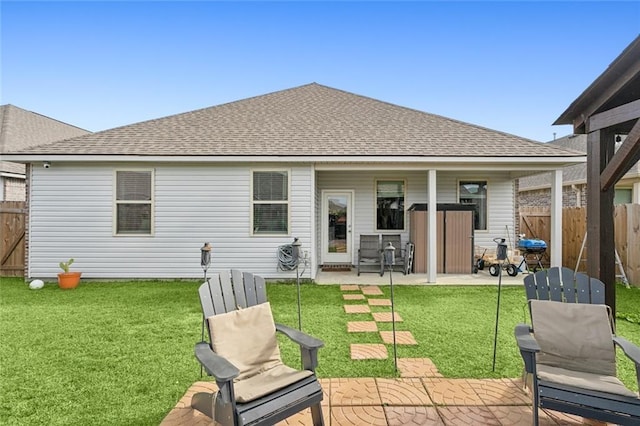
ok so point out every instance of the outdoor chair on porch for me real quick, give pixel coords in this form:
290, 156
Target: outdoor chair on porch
255, 387
369, 254
569, 349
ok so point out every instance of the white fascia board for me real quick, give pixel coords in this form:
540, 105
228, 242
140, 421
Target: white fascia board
324, 162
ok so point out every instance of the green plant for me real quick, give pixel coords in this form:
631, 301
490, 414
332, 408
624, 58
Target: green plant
65, 265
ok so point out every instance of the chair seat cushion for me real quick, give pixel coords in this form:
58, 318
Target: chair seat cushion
247, 339
268, 381
580, 379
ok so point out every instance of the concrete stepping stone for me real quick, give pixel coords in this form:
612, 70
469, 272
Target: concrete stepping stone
386, 316
417, 367
349, 287
361, 326
379, 302
403, 392
402, 338
368, 351
371, 290
353, 296
357, 309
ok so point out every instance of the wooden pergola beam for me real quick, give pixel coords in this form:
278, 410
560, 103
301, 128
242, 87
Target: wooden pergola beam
622, 160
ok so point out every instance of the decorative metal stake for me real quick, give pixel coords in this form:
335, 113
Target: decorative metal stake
501, 254
295, 254
205, 259
390, 260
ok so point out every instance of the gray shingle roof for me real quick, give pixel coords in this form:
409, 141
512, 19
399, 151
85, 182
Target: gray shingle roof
570, 174
310, 120
21, 129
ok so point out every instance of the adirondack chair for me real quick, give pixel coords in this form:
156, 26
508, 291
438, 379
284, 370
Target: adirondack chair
563, 285
369, 254
402, 257
569, 349
255, 387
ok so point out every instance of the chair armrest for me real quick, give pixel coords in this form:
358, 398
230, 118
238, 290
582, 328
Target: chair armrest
302, 339
629, 349
526, 342
528, 347
214, 364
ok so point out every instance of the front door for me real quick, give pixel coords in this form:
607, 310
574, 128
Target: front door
336, 226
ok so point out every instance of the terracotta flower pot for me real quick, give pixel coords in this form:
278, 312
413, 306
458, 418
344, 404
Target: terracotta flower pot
68, 280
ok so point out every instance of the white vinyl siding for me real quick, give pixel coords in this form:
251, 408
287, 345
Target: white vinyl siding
71, 216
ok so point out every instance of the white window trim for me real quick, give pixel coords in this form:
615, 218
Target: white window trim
287, 202
375, 205
482, 231
115, 203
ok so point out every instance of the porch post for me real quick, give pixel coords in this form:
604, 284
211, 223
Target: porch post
556, 218
432, 249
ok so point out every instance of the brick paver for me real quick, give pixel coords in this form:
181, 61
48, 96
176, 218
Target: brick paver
346, 392
402, 338
500, 392
401, 416
358, 416
465, 415
368, 351
403, 392
451, 392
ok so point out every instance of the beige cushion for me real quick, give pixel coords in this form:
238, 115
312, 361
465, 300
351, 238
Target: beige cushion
584, 380
574, 336
247, 339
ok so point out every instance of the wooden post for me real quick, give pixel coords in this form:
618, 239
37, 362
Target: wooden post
600, 231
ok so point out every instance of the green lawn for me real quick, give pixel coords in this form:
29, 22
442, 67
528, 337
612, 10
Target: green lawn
122, 353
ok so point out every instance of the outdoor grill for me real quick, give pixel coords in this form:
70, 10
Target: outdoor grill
532, 250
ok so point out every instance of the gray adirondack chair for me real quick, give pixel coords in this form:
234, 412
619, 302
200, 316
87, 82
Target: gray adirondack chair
569, 349
369, 254
256, 391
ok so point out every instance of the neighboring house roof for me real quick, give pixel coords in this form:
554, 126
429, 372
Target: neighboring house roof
310, 120
575, 174
21, 129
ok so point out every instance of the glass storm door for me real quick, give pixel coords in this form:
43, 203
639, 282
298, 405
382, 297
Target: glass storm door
336, 226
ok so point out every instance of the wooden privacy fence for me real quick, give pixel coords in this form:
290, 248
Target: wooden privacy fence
535, 222
12, 246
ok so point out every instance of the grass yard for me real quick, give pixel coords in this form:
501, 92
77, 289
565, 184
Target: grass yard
122, 353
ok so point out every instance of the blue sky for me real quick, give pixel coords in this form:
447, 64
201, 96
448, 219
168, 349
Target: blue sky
509, 66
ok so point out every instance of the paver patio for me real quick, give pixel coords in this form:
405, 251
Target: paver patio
421, 396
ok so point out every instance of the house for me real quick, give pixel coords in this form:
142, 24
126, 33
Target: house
21, 129
534, 191
248, 176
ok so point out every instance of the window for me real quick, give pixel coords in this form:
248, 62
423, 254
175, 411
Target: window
389, 205
270, 202
622, 196
134, 202
475, 192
